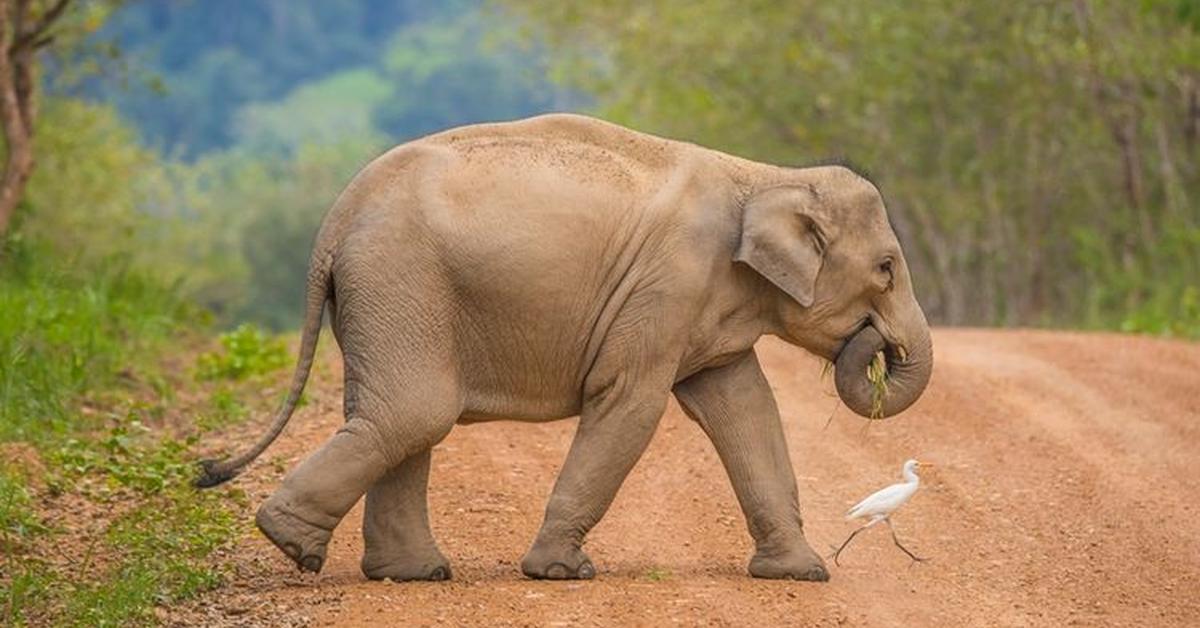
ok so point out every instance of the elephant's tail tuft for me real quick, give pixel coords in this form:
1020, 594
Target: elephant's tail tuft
215, 472
211, 474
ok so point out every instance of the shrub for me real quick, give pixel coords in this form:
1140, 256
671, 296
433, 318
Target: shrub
248, 352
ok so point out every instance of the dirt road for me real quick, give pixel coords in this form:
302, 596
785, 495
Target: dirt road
1068, 469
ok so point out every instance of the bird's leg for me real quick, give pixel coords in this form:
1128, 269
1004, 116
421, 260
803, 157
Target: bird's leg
853, 534
897, 542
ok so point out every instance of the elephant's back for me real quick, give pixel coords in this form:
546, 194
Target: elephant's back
512, 241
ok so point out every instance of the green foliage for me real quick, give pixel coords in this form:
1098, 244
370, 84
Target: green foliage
121, 458
251, 222
460, 70
17, 519
91, 332
125, 599
658, 574
271, 118
64, 333
1157, 294
329, 111
998, 132
30, 585
247, 352
224, 409
212, 58
83, 199
163, 544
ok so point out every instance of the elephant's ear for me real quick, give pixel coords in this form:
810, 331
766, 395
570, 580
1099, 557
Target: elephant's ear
783, 241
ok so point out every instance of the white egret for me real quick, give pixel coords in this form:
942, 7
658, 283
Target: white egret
880, 505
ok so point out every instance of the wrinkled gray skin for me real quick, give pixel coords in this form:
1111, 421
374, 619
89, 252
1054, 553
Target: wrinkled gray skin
563, 266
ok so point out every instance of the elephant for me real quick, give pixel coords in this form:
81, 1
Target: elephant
563, 266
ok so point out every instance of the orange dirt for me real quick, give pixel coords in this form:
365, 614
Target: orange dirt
1064, 493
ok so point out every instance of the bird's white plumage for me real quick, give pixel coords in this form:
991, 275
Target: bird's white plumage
883, 502
880, 505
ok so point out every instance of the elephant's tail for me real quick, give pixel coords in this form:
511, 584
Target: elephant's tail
214, 472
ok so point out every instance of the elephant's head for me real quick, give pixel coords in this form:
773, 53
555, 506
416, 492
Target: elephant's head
839, 285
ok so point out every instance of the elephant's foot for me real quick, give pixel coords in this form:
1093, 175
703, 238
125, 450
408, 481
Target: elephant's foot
795, 563
401, 566
557, 562
302, 541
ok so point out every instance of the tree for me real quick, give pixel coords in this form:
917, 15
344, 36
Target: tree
24, 30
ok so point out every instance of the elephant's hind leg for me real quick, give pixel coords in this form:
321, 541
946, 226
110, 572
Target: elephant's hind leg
299, 518
393, 416
399, 542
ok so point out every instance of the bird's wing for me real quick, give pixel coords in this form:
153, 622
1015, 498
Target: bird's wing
882, 501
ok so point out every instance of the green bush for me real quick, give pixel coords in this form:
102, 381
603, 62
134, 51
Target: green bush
247, 352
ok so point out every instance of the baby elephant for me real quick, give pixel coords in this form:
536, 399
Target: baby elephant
561, 266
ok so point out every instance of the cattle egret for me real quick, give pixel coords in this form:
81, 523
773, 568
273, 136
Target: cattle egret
880, 505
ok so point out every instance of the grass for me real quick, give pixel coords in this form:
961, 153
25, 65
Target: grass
658, 574
64, 334
89, 413
877, 374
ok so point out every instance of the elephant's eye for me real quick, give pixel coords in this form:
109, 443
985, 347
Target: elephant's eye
886, 268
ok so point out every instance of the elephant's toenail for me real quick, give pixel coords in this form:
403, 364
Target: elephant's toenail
292, 550
557, 571
439, 574
586, 570
817, 574
311, 563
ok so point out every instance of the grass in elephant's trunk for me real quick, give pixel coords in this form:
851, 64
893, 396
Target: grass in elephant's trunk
877, 374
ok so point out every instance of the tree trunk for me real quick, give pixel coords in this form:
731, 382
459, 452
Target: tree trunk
22, 34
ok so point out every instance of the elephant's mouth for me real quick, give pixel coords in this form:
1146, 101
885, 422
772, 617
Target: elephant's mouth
878, 379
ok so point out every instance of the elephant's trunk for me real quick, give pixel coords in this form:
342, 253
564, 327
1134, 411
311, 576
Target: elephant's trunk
906, 378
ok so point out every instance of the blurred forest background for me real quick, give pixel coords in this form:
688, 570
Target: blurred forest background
1040, 160
206, 139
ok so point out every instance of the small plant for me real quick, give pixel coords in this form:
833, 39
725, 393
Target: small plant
247, 352
658, 574
30, 585
224, 409
17, 519
124, 459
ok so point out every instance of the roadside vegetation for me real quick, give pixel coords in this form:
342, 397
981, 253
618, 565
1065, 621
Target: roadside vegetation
107, 384
99, 523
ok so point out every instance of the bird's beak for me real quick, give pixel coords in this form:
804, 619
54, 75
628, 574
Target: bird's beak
922, 463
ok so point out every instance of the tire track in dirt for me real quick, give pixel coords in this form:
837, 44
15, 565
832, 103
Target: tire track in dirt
1062, 495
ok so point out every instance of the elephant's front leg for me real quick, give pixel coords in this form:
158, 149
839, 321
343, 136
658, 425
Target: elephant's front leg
615, 427
735, 407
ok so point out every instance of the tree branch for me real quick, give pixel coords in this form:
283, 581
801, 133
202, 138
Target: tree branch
16, 112
28, 38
